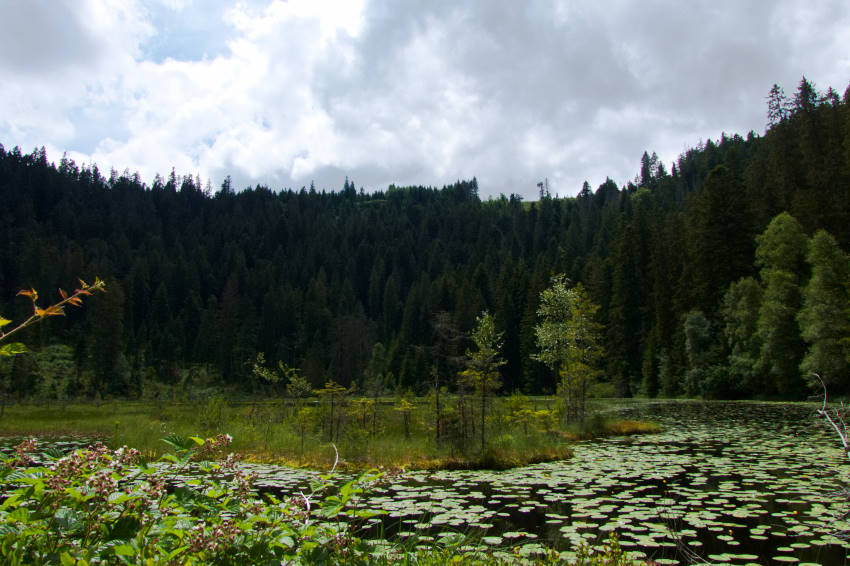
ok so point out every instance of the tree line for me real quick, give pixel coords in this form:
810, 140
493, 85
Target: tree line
695, 284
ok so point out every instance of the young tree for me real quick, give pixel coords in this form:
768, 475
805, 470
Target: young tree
568, 338
297, 386
406, 406
483, 365
332, 396
519, 411
261, 373
447, 340
376, 377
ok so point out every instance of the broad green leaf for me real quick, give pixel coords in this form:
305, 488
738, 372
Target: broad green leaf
118, 497
173, 554
123, 550
178, 442
368, 513
68, 519
11, 501
13, 348
169, 458
75, 493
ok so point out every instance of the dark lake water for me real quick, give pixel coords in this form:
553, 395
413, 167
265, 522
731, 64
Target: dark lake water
727, 483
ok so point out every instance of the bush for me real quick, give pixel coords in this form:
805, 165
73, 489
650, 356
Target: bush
195, 506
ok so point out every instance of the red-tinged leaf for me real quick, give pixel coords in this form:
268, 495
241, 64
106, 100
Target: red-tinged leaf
76, 301
54, 310
62, 293
31, 293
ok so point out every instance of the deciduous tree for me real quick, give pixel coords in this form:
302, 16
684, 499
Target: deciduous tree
780, 253
823, 318
569, 341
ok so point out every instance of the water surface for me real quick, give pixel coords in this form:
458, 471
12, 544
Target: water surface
738, 483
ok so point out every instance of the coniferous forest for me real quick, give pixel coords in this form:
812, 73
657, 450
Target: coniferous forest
725, 276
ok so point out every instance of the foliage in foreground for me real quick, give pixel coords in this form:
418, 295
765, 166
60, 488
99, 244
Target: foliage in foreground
195, 506
100, 506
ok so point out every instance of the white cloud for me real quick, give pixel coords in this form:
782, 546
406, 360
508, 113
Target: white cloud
281, 93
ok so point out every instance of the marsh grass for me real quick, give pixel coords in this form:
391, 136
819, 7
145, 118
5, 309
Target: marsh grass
597, 427
269, 432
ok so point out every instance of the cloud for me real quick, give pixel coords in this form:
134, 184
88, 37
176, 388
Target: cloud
283, 93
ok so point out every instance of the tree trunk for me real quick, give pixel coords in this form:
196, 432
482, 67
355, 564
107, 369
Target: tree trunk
483, 407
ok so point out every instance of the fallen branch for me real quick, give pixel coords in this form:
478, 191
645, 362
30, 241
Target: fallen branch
835, 417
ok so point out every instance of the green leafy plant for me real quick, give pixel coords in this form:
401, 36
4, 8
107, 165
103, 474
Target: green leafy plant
195, 505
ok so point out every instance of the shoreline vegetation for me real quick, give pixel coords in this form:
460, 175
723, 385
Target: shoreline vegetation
99, 505
270, 432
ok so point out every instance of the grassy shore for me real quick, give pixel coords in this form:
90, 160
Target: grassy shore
299, 435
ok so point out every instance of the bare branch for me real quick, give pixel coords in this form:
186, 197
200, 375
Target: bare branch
834, 418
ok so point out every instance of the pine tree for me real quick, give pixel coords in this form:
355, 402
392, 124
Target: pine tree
777, 106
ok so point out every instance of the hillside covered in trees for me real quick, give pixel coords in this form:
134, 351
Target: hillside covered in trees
723, 277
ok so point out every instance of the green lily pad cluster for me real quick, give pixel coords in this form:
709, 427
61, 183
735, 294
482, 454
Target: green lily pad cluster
734, 481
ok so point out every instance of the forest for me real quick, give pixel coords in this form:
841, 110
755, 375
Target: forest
724, 277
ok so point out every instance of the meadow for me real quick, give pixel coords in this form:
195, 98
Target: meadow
376, 432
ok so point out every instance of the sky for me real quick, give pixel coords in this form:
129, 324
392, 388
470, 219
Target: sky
283, 94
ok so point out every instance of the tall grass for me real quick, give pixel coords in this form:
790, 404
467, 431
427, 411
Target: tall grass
270, 431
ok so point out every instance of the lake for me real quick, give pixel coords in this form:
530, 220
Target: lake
726, 482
